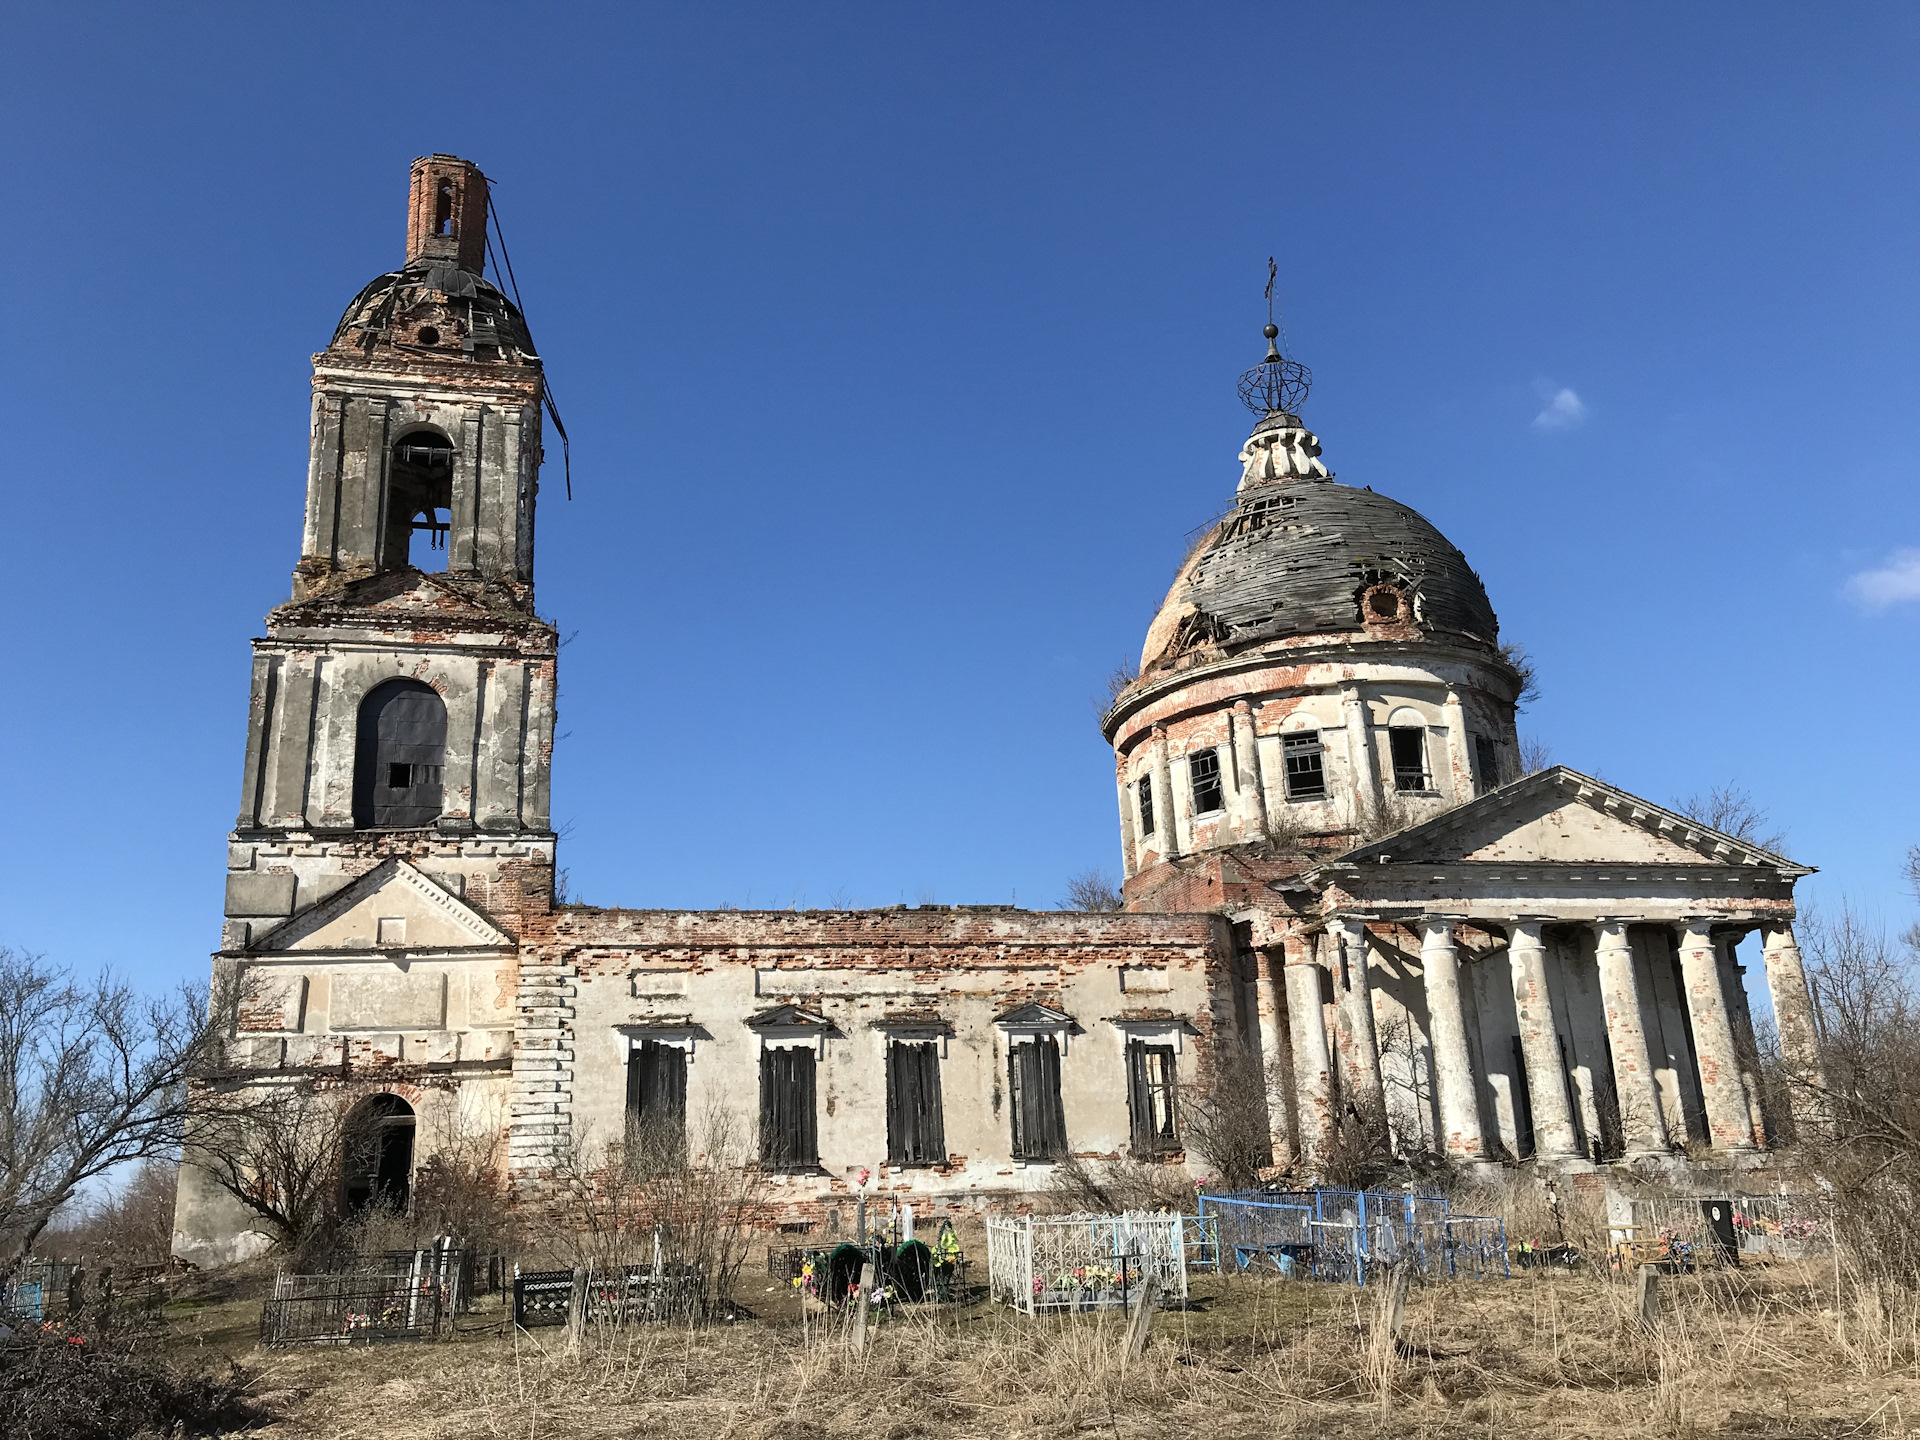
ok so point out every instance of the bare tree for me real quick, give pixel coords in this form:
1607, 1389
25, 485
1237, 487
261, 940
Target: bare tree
92, 1077
1118, 679
1534, 755
1732, 811
1092, 890
279, 1148
1866, 1143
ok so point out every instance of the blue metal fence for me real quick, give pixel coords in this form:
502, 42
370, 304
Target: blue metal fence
1342, 1236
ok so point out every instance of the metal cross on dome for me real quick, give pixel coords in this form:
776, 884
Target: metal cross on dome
1277, 385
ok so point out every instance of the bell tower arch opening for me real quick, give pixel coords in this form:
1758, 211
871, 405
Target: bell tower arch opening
377, 1162
400, 749
419, 498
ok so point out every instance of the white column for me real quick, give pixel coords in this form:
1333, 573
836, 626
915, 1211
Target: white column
1129, 842
1166, 832
1459, 750
1447, 1026
1360, 1049
1270, 1000
1726, 956
1250, 800
1633, 1082
1793, 1014
1553, 1134
1359, 728
1720, 1089
1312, 1068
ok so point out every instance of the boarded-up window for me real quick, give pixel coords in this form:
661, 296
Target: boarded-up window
1039, 1122
656, 1105
1151, 1098
788, 1139
399, 749
916, 1128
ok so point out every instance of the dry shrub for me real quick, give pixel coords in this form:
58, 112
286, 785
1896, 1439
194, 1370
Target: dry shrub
52, 1389
1359, 1153
1226, 1122
1113, 1187
131, 1225
689, 1201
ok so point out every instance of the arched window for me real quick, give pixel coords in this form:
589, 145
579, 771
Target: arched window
419, 493
399, 749
376, 1166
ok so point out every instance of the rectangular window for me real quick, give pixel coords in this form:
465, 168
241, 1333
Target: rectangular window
1409, 747
656, 1105
1306, 773
1151, 1098
916, 1128
1487, 755
1145, 789
788, 1139
1204, 767
1039, 1121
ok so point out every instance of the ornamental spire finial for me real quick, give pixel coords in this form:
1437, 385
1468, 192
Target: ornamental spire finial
1277, 385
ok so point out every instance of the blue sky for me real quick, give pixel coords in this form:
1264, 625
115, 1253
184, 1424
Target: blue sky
898, 348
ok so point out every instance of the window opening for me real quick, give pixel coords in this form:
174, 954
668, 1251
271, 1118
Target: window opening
1151, 1099
419, 494
443, 209
1204, 767
1306, 771
400, 748
656, 1106
1039, 1121
1145, 789
916, 1124
1408, 745
377, 1168
788, 1138
1487, 755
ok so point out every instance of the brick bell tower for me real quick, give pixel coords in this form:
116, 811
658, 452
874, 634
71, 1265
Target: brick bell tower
403, 700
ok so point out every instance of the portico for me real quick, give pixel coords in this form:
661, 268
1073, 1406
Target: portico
1547, 972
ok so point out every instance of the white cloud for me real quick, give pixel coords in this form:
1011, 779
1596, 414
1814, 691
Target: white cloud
1889, 584
1563, 409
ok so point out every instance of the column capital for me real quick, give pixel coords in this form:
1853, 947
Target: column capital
1528, 928
1612, 933
1437, 929
1701, 925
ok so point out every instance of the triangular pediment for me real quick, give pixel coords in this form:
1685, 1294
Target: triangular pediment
788, 1017
393, 907
1561, 817
1034, 1016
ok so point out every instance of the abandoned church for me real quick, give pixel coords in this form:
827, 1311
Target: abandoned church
1334, 863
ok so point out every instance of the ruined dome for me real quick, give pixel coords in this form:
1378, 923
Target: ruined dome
435, 309
1300, 555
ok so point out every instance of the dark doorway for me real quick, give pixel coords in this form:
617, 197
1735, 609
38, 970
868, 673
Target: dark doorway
378, 1165
400, 750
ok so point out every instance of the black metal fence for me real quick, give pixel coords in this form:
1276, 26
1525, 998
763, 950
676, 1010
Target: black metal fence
542, 1297
352, 1309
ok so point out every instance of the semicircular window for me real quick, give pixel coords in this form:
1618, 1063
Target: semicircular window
399, 750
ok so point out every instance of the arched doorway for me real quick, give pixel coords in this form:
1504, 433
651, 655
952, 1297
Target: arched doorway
377, 1167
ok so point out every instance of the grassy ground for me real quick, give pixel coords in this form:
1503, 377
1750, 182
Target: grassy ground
1757, 1352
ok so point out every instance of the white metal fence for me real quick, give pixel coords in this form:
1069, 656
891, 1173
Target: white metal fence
1084, 1262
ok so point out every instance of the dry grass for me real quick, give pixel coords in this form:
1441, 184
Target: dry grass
1750, 1353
